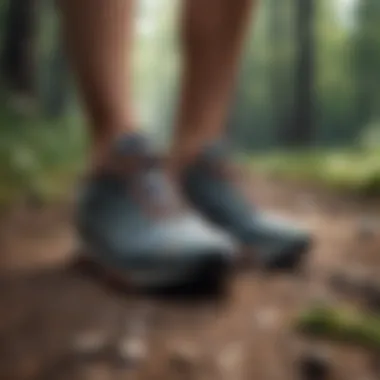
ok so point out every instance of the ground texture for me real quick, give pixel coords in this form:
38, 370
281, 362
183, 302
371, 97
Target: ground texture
56, 323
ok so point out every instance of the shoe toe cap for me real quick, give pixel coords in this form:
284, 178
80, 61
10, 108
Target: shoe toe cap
193, 237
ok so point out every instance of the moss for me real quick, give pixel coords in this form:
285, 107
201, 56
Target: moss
340, 325
350, 171
39, 158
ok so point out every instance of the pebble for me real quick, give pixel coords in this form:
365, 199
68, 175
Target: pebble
267, 318
230, 359
133, 352
314, 366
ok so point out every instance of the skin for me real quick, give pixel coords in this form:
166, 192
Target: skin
212, 34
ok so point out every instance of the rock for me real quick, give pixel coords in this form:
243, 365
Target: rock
230, 359
314, 366
132, 352
267, 318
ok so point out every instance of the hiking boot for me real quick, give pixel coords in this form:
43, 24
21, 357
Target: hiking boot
209, 184
131, 221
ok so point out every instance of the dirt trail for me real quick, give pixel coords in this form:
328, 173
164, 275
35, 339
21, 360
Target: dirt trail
61, 325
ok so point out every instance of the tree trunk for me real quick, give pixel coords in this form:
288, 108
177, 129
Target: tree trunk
19, 51
300, 131
366, 61
279, 84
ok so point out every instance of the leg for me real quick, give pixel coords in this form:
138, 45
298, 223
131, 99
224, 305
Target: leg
127, 218
99, 38
213, 34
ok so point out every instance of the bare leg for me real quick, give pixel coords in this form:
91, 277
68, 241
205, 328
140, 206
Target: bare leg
212, 34
121, 210
99, 38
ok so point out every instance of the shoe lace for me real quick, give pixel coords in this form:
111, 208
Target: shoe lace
150, 186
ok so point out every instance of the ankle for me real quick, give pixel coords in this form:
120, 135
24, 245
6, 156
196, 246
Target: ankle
181, 157
186, 152
102, 147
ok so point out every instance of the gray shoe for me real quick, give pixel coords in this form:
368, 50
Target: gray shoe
131, 223
278, 245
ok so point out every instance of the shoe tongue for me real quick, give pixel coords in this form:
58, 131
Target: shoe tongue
132, 145
128, 154
154, 184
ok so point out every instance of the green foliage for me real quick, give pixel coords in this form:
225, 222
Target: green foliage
38, 158
356, 171
347, 96
345, 326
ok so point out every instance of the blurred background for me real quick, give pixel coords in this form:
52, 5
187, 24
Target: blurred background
309, 81
305, 119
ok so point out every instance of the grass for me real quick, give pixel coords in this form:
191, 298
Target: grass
356, 171
38, 157
344, 326
42, 158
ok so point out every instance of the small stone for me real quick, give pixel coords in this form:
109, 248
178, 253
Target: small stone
133, 352
314, 366
267, 318
230, 358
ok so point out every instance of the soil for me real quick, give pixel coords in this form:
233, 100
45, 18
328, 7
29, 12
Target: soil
57, 323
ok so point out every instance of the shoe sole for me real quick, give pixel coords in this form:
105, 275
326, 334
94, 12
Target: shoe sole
208, 278
291, 258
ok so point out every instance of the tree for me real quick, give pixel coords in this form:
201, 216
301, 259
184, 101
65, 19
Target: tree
366, 58
19, 51
54, 76
57, 96
280, 17
300, 131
